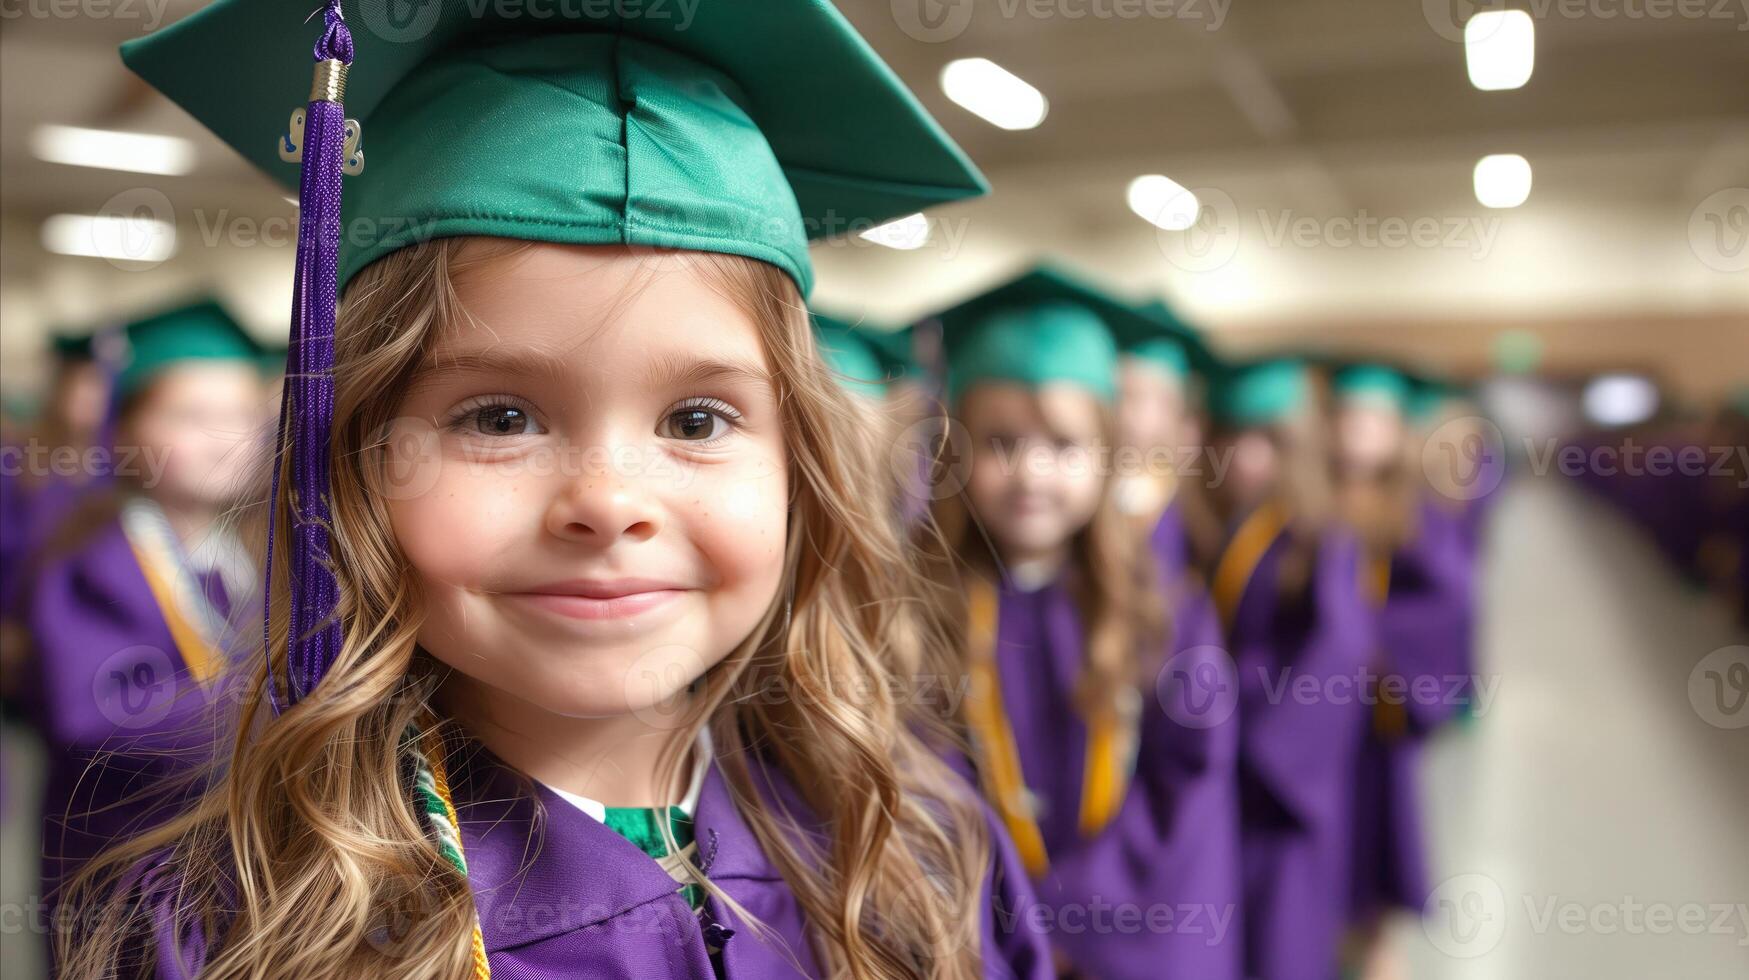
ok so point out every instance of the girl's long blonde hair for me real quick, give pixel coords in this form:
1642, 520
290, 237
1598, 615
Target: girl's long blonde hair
308, 849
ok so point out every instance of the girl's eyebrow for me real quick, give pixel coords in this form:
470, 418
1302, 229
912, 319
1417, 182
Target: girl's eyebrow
679, 371
663, 371
441, 364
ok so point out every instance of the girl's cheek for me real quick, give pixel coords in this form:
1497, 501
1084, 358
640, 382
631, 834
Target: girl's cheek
987, 482
454, 530
738, 521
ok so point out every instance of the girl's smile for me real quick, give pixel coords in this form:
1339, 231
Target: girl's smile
635, 600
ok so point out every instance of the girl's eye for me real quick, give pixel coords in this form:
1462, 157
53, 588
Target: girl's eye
695, 425
498, 419
705, 421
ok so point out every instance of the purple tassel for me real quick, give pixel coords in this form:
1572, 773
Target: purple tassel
109, 351
306, 413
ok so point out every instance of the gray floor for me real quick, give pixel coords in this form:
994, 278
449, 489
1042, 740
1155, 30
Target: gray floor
1592, 824
21, 940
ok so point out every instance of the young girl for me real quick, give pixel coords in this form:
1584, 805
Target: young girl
611, 698
1159, 425
1417, 576
1120, 798
1287, 585
35, 490
130, 605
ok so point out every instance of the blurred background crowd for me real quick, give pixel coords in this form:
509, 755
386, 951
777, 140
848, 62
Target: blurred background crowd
1485, 265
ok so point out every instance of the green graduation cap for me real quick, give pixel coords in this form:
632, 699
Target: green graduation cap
1261, 392
896, 350
1374, 384
272, 360
733, 127
1164, 339
862, 358
1738, 400
71, 346
199, 331
1045, 326
729, 127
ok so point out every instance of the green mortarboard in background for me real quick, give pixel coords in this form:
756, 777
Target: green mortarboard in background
1428, 395
71, 346
1373, 384
1164, 339
1738, 400
1261, 392
731, 127
896, 349
200, 331
1518, 351
272, 360
855, 356
1047, 326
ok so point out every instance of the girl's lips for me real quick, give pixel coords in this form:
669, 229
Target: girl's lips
592, 608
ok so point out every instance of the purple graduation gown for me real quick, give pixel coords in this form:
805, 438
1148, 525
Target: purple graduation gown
1168, 544
119, 714
1424, 631
1156, 893
29, 516
560, 894
590, 903
1297, 755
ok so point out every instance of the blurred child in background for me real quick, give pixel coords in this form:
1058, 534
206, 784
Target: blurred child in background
1416, 572
131, 603
1286, 579
1116, 796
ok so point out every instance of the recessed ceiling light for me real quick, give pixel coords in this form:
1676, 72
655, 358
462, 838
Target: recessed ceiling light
1163, 202
904, 234
993, 93
1500, 49
1502, 180
107, 236
141, 153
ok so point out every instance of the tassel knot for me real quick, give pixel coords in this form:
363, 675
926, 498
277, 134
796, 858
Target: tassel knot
335, 44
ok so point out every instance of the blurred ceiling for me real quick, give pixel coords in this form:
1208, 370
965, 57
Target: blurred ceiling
1301, 124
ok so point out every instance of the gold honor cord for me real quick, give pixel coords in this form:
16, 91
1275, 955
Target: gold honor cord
1109, 744
178, 593
1375, 578
432, 794
1390, 721
197, 653
1239, 562
1168, 493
